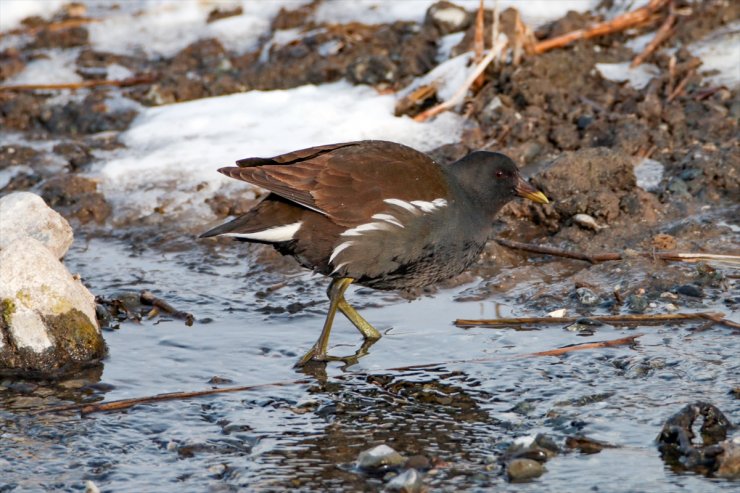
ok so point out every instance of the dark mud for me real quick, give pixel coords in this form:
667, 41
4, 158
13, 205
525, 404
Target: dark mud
579, 136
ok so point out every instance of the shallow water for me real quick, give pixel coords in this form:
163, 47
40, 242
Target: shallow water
462, 415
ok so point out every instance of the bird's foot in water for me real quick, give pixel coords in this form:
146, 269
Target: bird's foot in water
314, 356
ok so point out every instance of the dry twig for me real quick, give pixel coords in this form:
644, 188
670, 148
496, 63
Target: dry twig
609, 256
619, 23
128, 403
52, 27
149, 298
666, 31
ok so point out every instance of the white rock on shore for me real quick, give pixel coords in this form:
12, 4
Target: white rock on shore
47, 316
25, 214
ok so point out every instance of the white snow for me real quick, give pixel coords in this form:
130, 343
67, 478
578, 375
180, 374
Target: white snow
533, 12
649, 173
173, 151
720, 52
57, 67
447, 77
163, 28
12, 12
638, 77
446, 43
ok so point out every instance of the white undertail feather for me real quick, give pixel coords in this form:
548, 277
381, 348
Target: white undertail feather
275, 235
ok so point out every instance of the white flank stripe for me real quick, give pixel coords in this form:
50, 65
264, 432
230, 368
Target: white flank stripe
339, 249
389, 219
278, 234
338, 267
364, 228
402, 203
429, 206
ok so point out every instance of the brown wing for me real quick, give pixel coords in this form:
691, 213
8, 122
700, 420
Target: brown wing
347, 182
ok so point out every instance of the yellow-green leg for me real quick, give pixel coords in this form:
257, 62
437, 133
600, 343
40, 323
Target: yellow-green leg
336, 301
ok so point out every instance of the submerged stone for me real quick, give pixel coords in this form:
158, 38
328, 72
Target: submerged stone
378, 458
524, 470
409, 481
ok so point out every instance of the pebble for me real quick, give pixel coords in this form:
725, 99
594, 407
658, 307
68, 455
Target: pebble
409, 481
636, 303
587, 297
523, 470
587, 222
690, 290
379, 457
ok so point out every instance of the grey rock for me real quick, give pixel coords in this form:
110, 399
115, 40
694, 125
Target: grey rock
587, 297
379, 457
25, 214
524, 470
408, 482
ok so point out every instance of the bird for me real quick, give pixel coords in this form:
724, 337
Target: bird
374, 213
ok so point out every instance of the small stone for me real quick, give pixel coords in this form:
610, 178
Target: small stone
417, 462
557, 313
690, 290
587, 297
408, 482
637, 303
91, 487
670, 307
380, 457
678, 186
520, 470
668, 295
587, 222
447, 17
729, 461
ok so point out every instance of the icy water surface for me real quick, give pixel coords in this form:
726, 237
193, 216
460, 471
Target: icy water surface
307, 436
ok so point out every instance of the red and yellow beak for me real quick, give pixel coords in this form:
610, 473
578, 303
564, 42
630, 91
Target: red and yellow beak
527, 191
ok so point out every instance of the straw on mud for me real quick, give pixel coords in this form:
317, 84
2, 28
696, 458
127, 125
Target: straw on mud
629, 319
681, 86
122, 404
618, 24
85, 84
733, 260
662, 34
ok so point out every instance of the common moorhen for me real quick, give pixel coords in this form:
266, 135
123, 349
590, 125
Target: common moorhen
375, 213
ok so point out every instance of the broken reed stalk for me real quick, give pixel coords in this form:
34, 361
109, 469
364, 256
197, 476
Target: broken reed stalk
171, 396
122, 404
619, 23
664, 32
85, 84
149, 298
478, 39
681, 86
733, 260
626, 319
495, 51
622, 341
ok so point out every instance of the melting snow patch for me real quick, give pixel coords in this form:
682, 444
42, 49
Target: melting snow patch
163, 28
57, 68
649, 173
12, 12
720, 54
638, 77
173, 151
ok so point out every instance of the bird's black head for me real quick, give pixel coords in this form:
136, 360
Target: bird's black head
492, 180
